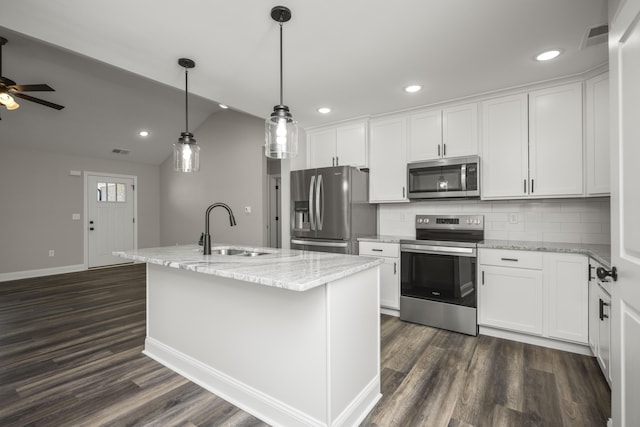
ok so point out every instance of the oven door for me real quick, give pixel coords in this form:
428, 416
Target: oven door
439, 273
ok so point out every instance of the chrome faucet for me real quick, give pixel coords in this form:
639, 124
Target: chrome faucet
207, 237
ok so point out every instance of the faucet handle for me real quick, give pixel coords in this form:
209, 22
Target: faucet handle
201, 241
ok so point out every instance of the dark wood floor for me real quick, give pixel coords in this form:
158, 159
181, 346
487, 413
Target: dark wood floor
70, 355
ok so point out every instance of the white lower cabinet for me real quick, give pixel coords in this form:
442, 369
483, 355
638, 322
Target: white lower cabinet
599, 320
389, 271
510, 295
535, 293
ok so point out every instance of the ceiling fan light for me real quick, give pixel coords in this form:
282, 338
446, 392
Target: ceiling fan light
12, 106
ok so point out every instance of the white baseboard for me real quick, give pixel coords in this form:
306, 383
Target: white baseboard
360, 407
541, 341
27, 274
245, 397
390, 311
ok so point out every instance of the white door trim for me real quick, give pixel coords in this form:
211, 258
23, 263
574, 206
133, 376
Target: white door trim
85, 235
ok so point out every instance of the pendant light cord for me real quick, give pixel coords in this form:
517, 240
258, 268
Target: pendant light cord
281, 103
186, 98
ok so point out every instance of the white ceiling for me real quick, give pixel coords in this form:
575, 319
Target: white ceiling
354, 56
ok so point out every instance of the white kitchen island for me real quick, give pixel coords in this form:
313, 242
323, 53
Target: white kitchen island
292, 337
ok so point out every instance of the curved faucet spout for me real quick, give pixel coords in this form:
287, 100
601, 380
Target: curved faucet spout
207, 236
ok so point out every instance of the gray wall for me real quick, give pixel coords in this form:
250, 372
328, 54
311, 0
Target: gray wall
232, 170
38, 196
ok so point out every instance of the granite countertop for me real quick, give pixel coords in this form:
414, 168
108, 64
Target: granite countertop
601, 253
385, 238
282, 268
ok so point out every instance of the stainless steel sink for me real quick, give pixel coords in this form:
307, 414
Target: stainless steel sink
227, 251
254, 253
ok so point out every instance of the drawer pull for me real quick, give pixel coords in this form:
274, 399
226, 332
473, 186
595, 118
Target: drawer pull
510, 259
376, 250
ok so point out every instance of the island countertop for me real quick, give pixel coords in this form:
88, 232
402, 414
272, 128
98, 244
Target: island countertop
282, 268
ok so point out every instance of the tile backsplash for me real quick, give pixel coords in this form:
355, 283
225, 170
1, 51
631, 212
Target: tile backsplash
548, 220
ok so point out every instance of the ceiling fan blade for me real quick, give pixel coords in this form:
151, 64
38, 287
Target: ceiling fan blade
31, 88
36, 100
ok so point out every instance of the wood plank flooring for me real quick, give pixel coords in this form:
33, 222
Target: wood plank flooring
70, 355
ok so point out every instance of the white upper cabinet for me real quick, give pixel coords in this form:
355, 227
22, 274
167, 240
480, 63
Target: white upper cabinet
437, 134
344, 145
532, 144
597, 135
388, 160
505, 147
555, 141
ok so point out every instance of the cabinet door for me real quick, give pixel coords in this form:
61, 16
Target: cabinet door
351, 145
322, 148
460, 131
567, 283
555, 141
505, 146
511, 298
388, 160
390, 284
604, 333
425, 136
597, 135
594, 319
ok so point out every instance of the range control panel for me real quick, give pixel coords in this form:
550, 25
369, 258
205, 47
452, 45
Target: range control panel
450, 222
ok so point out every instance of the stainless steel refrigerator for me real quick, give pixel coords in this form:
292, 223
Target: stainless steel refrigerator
330, 209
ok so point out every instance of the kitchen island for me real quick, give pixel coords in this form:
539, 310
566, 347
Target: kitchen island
292, 337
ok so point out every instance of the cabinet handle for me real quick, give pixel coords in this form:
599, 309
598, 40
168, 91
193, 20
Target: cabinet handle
532, 186
444, 150
395, 265
438, 150
333, 161
403, 192
482, 277
602, 306
525, 186
376, 250
337, 161
510, 259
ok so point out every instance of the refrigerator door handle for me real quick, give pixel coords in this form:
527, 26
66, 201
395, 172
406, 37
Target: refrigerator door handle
316, 243
320, 202
312, 219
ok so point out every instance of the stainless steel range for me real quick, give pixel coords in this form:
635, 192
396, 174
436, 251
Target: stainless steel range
438, 272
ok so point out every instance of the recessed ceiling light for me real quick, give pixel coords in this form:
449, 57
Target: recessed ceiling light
324, 110
546, 56
223, 106
143, 133
412, 88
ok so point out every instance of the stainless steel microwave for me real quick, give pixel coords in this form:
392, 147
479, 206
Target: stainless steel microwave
457, 177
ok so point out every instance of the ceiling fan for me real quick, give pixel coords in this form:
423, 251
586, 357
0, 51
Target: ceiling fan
9, 89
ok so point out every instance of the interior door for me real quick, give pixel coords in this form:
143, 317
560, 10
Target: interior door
624, 62
110, 219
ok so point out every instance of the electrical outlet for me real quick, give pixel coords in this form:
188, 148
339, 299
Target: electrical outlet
52, 252
247, 209
75, 216
513, 218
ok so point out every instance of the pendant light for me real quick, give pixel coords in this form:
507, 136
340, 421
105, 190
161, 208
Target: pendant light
186, 153
281, 131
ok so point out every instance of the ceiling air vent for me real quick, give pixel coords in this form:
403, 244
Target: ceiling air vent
595, 35
120, 151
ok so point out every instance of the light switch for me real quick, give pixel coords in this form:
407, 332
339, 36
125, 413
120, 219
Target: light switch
75, 216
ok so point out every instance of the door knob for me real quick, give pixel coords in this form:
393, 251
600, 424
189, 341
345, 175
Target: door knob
604, 273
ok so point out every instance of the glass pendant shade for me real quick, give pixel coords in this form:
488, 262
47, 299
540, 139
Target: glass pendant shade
186, 154
281, 134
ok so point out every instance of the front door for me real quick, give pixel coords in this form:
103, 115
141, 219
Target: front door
110, 218
624, 62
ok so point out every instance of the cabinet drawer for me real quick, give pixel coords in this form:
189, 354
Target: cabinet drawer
380, 249
509, 258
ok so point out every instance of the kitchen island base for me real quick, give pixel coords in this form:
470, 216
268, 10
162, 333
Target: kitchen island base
290, 358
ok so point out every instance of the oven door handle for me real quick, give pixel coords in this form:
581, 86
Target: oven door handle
439, 250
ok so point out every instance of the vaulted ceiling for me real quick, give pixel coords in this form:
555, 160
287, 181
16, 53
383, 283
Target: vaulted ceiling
114, 64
